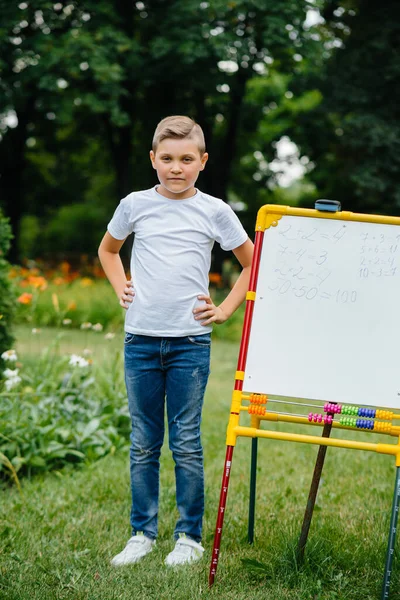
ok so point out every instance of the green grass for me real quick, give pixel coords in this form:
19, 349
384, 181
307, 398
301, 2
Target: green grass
57, 538
69, 341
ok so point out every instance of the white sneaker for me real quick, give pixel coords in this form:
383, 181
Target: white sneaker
137, 547
185, 551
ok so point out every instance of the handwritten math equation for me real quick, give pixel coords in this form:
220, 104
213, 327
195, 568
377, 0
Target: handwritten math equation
378, 255
305, 262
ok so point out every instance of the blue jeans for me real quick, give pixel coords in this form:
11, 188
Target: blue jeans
171, 371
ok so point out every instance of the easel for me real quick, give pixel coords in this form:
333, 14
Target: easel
255, 404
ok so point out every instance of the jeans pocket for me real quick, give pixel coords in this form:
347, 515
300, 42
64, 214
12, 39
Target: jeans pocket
200, 340
129, 337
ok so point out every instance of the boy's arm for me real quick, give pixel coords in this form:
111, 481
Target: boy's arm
209, 313
111, 262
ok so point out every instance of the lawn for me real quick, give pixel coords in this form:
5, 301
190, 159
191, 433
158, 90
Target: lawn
58, 536
69, 341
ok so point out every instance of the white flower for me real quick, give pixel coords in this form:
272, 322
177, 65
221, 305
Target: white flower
109, 336
97, 327
10, 383
86, 325
9, 355
10, 374
78, 361
67, 321
86, 352
35, 330
12, 378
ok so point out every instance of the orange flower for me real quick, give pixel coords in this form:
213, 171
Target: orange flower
72, 276
65, 267
38, 282
98, 272
214, 277
71, 305
59, 280
86, 282
25, 298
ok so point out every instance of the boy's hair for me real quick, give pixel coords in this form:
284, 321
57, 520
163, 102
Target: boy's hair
179, 127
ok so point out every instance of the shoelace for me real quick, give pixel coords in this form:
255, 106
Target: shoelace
136, 540
183, 548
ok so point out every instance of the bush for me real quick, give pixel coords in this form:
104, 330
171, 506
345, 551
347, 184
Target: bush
29, 236
57, 412
7, 296
74, 229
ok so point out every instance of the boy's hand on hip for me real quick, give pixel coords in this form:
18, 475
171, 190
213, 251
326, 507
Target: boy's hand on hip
209, 313
127, 295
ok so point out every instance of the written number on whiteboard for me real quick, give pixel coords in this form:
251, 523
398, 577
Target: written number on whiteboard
283, 286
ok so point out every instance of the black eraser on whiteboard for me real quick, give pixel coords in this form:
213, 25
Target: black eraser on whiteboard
328, 205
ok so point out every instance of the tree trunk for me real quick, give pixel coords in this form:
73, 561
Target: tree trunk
221, 162
120, 146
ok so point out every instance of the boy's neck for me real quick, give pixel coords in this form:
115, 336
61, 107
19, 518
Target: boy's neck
160, 189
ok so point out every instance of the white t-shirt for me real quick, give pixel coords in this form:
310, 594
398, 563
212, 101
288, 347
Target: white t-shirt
171, 257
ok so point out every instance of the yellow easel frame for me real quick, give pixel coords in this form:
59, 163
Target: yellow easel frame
269, 216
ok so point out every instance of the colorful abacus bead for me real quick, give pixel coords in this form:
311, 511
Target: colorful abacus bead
258, 398
366, 412
364, 424
256, 410
315, 417
350, 410
382, 426
384, 414
332, 408
348, 421
328, 419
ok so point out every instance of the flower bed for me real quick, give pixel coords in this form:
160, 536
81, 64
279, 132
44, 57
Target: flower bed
63, 297
56, 411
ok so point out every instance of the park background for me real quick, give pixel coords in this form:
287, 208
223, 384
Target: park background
298, 100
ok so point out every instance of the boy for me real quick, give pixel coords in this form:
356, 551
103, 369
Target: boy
168, 327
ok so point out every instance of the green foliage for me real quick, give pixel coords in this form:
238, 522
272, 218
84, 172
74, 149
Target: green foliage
60, 413
88, 83
29, 236
353, 134
82, 301
76, 229
7, 293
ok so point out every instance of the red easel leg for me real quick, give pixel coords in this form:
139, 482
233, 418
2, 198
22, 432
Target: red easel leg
221, 514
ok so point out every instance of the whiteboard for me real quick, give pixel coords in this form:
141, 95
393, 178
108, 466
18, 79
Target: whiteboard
326, 320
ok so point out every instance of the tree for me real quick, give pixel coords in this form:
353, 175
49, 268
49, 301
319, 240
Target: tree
353, 134
76, 72
27, 34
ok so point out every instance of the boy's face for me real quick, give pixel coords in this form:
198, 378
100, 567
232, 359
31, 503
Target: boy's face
178, 163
